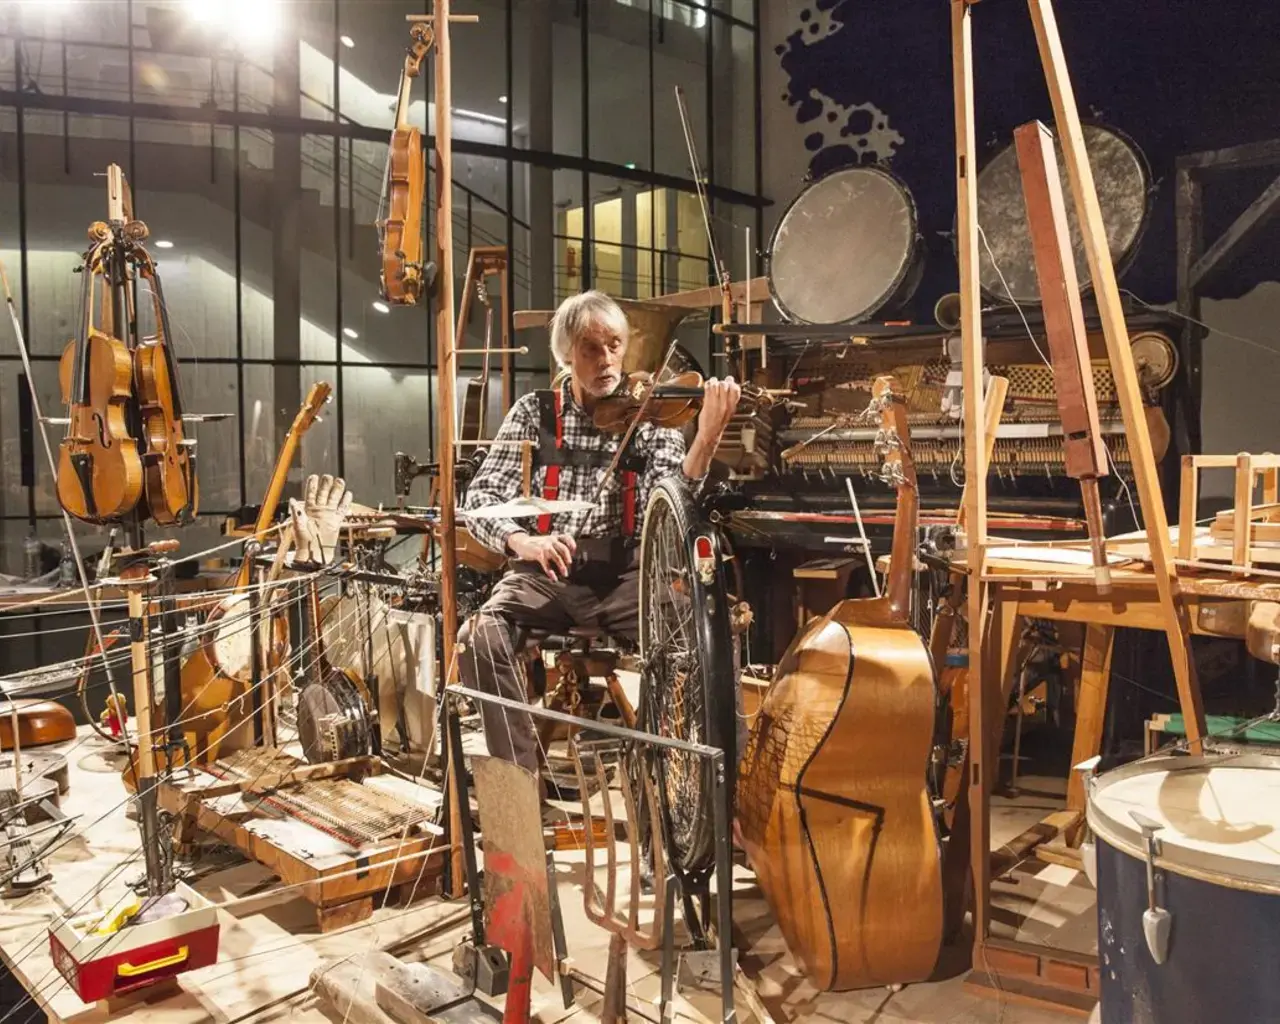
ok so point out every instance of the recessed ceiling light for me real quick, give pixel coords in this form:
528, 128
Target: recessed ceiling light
502, 99
347, 41
350, 333
381, 307
164, 243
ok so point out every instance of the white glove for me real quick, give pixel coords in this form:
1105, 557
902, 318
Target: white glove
318, 519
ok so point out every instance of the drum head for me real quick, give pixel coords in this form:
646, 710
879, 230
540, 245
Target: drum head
1219, 817
231, 643
1122, 178
844, 248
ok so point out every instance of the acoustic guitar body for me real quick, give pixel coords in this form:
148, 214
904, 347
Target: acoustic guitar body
833, 802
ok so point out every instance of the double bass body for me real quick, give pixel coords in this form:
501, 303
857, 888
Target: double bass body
833, 797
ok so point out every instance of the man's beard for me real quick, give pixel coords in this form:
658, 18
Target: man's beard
599, 387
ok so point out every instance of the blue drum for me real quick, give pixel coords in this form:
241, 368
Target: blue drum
1188, 877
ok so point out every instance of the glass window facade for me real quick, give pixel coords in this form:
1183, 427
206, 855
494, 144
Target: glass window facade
254, 137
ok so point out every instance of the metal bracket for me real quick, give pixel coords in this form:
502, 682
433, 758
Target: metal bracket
1157, 922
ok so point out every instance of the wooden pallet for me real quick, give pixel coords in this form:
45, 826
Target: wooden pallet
343, 880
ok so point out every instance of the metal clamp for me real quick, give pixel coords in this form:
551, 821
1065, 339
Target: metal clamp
1088, 850
1157, 922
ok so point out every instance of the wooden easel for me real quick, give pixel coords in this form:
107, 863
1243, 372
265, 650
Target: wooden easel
985, 676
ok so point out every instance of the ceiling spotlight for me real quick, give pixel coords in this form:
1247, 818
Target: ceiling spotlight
502, 99
164, 243
350, 333
347, 41
381, 306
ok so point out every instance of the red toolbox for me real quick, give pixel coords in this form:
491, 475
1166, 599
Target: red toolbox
98, 966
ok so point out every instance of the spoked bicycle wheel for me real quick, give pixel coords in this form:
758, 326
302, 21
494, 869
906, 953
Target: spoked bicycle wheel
687, 688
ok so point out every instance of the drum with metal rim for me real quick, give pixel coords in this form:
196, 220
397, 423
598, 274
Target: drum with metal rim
846, 248
1006, 261
1188, 876
333, 720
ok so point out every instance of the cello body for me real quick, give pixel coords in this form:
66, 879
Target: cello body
833, 798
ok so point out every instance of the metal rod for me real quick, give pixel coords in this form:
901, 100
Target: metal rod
523, 350
724, 893
616, 731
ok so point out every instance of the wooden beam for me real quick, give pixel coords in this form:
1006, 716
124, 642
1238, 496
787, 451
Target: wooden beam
1091, 709
981, 677
1242, 157
981, 767
1256, 219
1125, 374
1189, 218
447, 377
1084, 451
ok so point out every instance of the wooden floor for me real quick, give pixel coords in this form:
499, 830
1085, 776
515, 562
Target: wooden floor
269, 950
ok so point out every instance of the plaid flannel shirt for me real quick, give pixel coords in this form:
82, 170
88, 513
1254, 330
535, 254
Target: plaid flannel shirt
500, 476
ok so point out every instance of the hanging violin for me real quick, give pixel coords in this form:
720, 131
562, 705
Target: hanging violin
100, 476
170, 460
833, 799
404, 277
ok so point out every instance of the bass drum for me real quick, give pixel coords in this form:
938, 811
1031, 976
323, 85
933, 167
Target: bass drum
1188, 876
1006, 262
847, 247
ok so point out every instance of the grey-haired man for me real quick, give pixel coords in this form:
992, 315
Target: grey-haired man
576, 569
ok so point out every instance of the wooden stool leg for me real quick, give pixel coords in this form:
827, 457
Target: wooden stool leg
1091, 713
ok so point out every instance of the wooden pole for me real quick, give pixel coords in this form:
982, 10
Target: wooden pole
447, 377
975, 460
1116, 333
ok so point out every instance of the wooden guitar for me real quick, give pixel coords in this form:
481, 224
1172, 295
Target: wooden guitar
833, 799
217, 677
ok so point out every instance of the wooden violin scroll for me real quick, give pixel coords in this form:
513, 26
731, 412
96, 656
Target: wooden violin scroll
403, 277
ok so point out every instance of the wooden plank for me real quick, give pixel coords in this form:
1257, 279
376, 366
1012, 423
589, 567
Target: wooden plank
349, 988
1188, 502
1091, 711
975, 463
447, 378
1189, 215
1123, 371
1242, 157
1084, 452
1021, 846
1243, 230
1243, 506
1260, 460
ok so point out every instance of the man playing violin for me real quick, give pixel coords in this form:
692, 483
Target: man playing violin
577, 569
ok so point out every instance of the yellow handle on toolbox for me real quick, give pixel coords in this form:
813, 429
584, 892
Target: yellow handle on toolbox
130, 971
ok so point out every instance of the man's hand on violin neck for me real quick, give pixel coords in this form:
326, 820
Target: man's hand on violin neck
554, 552
719, 403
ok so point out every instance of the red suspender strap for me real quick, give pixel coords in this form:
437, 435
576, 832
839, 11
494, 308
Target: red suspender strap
628, 503
551, 483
